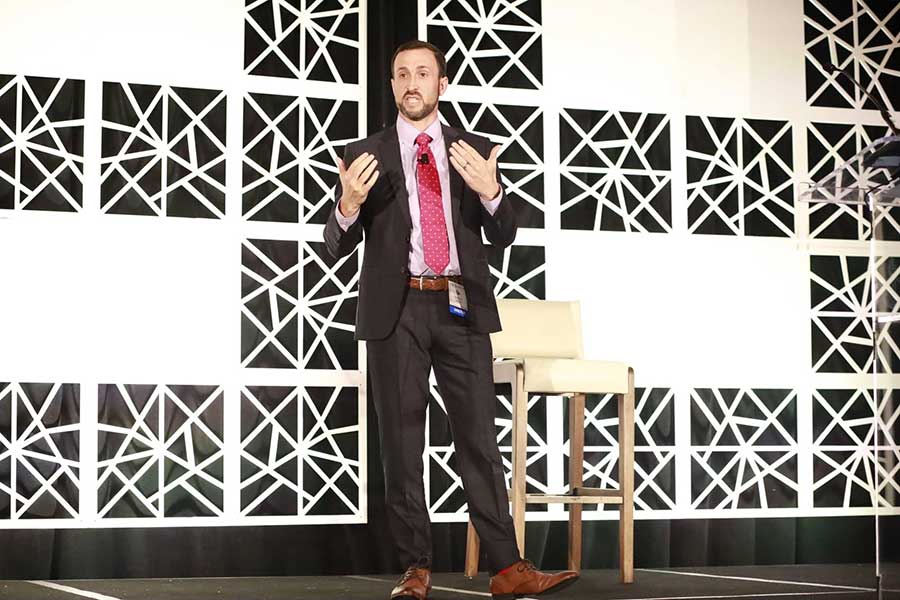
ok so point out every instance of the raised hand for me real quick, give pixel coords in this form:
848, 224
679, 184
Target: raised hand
356, 181
479, 173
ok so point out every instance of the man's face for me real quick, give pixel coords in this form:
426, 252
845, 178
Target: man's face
416, 83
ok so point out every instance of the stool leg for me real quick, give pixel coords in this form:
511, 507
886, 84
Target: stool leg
473, 549
519, 456
576, 477
626, 482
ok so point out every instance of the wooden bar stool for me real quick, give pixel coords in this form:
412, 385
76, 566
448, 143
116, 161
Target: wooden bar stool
543, 343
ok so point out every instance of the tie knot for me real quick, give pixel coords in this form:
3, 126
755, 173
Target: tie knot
423, 139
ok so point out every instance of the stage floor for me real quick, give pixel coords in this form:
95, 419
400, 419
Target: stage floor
842, 582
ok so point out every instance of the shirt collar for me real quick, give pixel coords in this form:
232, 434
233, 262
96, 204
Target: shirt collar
407, 132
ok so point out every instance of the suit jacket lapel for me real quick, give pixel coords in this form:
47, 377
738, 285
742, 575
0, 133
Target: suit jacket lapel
456, 181
392, 167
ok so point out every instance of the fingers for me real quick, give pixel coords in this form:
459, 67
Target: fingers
494, 152
367, 172
468, 147
464, 154
360, 164
460, 169
471, 152
456, 153
342, 169
371, 181
466, 165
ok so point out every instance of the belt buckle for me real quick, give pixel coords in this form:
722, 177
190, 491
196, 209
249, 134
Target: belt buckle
420, 278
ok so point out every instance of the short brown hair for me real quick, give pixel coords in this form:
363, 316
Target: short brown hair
416, 44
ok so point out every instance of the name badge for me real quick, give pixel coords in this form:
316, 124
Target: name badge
457, 295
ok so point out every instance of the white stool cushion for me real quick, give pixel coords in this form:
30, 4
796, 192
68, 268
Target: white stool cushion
561, 375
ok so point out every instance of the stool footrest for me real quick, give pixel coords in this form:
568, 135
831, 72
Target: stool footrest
578, 496
589, 491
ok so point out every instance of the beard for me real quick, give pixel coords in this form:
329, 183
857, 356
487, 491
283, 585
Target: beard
425, 108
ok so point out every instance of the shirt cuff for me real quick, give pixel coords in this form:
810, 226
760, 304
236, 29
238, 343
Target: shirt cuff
492, 205
345, 222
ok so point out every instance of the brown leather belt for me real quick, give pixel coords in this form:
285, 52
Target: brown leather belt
432, 283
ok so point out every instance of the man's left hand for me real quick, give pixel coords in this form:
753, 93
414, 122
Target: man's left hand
479, 173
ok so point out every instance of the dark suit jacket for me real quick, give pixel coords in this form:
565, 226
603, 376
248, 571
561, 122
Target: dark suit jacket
385, 223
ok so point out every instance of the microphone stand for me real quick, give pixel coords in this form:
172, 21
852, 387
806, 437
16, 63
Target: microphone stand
877, 159
875, 100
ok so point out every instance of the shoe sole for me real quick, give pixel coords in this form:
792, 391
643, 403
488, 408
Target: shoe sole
556, 588
410, 597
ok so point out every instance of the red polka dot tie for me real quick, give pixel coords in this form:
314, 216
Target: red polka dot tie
431, 209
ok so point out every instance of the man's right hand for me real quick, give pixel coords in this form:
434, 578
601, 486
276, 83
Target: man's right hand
356, 181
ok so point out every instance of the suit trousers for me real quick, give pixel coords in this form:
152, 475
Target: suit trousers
426, 336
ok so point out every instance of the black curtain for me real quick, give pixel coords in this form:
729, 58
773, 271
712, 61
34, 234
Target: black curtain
391, 22
361, 549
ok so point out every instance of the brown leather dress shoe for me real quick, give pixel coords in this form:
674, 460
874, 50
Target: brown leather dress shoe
415, 583
522, 579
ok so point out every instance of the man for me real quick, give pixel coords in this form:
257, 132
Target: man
425, 301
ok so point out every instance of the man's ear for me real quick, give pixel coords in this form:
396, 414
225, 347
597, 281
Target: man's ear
442, 85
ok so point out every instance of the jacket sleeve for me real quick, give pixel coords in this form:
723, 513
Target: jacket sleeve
339, 242
501, 227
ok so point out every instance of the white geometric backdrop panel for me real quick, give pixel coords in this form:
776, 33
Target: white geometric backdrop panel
597, 143
658, 146
41, 143
212, 176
